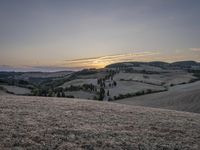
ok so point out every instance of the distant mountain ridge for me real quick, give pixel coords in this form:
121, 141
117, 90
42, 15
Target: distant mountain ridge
178, 64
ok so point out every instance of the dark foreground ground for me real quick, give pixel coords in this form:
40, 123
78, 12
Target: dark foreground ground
52, 123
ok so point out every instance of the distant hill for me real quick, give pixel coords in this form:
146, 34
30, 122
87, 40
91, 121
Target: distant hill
185, 64
179, 64
158, 64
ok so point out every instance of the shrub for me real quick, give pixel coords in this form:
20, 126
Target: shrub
69, 96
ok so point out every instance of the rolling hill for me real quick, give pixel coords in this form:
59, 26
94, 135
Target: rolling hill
185, 97
178, 64
61, 123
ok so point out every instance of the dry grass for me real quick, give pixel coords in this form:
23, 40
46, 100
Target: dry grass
52, 123
182, 97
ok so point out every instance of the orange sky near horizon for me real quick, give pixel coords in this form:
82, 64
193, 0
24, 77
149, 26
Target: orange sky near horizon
95, 33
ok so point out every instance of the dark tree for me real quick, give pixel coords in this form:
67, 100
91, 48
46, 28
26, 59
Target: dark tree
58, 94
101, 93
63, 94
109, 85
115, 83
108, 93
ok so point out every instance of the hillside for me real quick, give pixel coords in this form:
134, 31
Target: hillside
160, 64
16, 90
184, 97
61, 123
114, 82
3, 92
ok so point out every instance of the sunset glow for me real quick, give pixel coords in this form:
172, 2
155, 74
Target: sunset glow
82, 34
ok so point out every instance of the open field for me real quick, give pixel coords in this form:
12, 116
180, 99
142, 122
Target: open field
130, 83
58, 123
124, 87
184, 97
16, 90
167, 79
3, 92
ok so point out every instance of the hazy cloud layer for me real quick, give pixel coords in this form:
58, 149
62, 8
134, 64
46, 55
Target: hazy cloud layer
102, 61
195, 49
35, 68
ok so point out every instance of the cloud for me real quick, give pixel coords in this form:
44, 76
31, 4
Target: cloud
27, 68
195, 49
53, 68
102, 61
91, 62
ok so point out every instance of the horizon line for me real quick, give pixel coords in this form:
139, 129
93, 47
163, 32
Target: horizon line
10, 68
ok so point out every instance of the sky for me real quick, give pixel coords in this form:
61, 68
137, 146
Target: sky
73, 34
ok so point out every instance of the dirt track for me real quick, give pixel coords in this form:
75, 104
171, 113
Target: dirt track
56, 123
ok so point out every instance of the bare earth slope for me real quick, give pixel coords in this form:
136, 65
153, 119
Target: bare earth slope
56, 123
181, 97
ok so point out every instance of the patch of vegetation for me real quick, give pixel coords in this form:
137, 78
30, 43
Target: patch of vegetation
48, 86
84, 87
196, 73
69, 96
139, 93
13, 82
86, 72
101, 94
5, 74
60, 91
